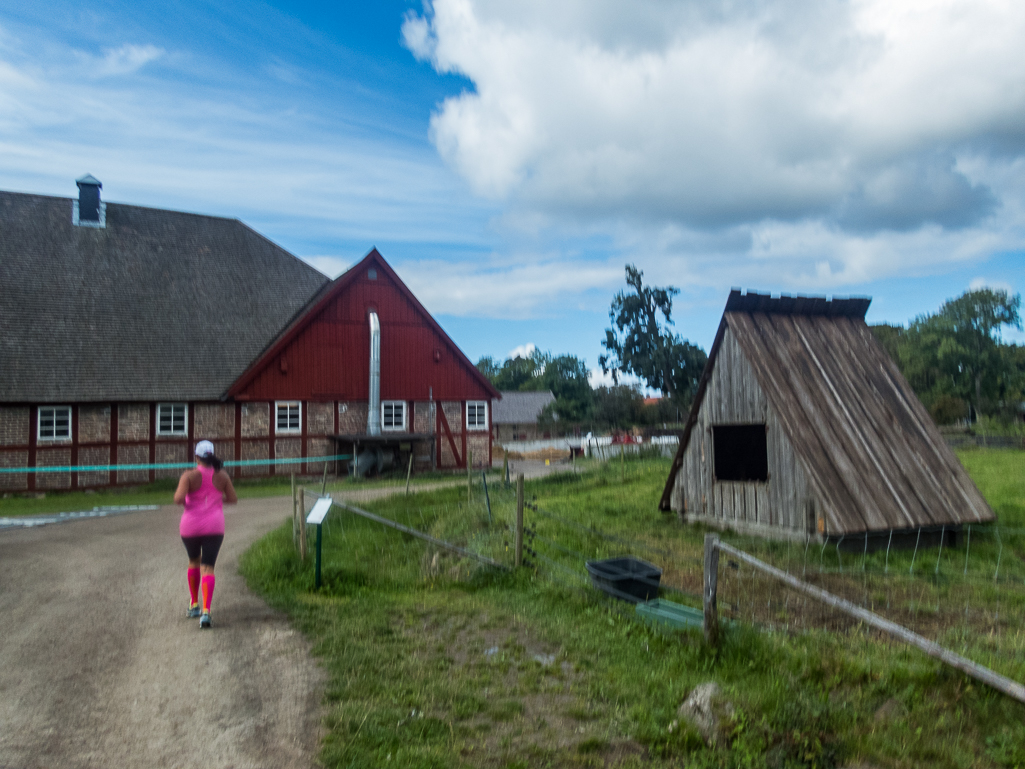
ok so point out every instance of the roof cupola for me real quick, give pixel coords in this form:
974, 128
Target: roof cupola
88, 211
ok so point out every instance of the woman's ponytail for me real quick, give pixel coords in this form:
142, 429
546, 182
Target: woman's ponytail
210, 460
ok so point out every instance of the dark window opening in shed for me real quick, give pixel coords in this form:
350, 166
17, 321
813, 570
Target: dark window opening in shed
740, 453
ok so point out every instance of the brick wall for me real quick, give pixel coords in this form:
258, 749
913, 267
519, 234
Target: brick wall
94, 455
285, 448
213, 421
14, 427
352, 417
478, 443
255, 450
446, 459
255, 420
53, 458
320, 419
133, 422
225, 450
320, 447
14, 481
94, 425
454, 416
422, 422
167, 453
132, 455
422, 456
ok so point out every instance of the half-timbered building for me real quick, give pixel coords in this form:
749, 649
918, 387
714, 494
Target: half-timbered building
129, 333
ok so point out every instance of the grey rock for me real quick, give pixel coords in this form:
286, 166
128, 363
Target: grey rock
704, 709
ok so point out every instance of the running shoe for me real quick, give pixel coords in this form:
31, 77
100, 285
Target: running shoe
193, 611
204, 621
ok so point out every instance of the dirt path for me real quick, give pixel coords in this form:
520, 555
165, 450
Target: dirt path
99, 667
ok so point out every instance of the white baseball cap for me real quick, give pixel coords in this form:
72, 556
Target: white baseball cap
204, 449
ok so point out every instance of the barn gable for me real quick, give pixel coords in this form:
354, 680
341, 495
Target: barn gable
850, 449
323, 353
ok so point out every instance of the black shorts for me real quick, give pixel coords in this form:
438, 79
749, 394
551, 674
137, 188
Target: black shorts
204, 548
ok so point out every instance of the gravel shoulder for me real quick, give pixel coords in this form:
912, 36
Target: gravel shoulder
99, 667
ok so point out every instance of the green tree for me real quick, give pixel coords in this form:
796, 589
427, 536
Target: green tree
954, 358
519, 373
566, 376
964, 340
618, 407
488, 367
641, 342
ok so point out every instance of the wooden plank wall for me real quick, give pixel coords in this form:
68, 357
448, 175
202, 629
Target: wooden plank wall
734, 396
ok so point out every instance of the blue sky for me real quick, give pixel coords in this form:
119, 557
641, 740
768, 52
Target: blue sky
509, 158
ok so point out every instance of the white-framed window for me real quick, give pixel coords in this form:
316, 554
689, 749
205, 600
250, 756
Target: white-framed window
476, 415
289, 416
172, 419
54, 423
393, 415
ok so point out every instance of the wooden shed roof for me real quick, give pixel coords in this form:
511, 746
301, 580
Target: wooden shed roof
870, 449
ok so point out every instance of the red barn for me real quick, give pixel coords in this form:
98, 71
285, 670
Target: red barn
130, 333
431, 400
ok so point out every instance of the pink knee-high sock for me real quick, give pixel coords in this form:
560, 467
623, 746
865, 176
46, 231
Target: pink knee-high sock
194, 585
208, 591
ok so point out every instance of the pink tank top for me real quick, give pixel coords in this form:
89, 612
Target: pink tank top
204, 508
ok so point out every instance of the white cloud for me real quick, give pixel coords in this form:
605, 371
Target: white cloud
522, 351
996, 285
506, 287
125, 60
832, 142
195, 146
598, 378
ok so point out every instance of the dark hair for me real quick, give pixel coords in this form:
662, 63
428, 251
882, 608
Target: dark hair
212, 461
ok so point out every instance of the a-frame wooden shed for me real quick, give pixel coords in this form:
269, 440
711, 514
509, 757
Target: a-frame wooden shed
803, 426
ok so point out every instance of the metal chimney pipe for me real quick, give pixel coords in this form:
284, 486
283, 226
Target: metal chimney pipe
374, 409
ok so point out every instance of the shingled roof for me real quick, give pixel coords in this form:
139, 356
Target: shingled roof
520, 408
870, 449
155, 305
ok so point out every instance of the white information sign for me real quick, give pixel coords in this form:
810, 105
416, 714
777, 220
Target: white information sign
319, 511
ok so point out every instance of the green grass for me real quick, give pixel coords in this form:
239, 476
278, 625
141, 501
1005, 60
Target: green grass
435, 661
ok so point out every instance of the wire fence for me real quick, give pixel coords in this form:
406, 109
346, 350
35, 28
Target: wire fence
963, 589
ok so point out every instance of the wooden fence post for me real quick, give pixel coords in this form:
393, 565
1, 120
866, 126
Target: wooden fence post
505, 466
409, 472
295, 522
469, 476
711, 584
519, 520
302, 523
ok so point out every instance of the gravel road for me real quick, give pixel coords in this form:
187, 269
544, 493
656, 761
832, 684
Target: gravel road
99, 667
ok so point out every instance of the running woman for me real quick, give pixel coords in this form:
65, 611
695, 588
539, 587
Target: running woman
203, 491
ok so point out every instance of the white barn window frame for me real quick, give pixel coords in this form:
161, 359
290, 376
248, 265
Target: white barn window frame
53, 423
173, 419
288, 417
393, 416
477, 415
